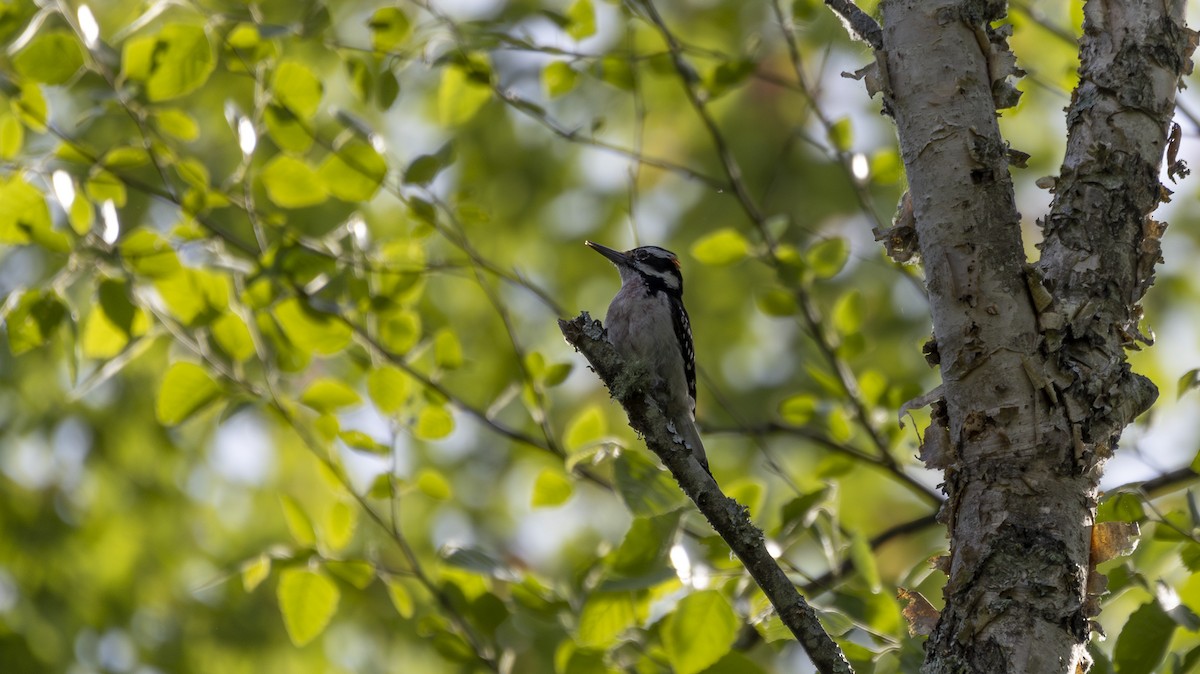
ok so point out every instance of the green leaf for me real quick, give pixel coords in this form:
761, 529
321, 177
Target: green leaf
848, 313
434, 422
23, 210
606, 615
357, 572
426, 167
551, 488
255, 571
1122, 507
297, 88
113, 322
433, 484
581, 19
1188, 381
32, 321
177, 123
777, 302
298, 523
399, 331
327, 395
148, 254
464, 89
699, 632
12, 136
186, 388
827, 257
105, 186
388, 388
287, 130
646, 545
585, 429
722, 247
195, 296
292, 183
311, 330
841, 135
400, 596
175, 62
559, 78
728, 75
447, 352
616, 71
81, 215
798, 410
307, 601
389, 27
354, 171
51, 57
30, 106
864, 562
364, 442
1143, 642
232, 335
736, 663
645, 489
338, 528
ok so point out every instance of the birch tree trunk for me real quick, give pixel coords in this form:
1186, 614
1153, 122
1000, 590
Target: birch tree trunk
1036, 387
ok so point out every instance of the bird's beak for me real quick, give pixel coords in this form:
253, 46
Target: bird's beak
615, 256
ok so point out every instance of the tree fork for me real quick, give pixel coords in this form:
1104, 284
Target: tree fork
1036, 386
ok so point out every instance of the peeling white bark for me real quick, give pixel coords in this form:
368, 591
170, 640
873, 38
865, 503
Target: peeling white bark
1036, 385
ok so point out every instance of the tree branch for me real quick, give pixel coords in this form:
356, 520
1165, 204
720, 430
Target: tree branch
858, 22
730, 519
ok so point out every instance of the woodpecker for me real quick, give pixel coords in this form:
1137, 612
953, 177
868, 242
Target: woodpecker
647, 323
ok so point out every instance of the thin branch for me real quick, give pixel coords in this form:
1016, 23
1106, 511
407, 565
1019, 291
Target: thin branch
860, 24
730, 520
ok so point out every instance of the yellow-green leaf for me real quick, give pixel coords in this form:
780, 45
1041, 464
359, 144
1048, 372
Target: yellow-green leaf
113, 322
586, 428
148, 254
434, 422
826, 258
360, 440
353, 172
12, 135
51, 57
327, 395
700, 631
447, 352
255, 571
22, 210
433, 484
605, 616
559, 78
232, 335
297, 88
186, 388
864, 561
400, 596
307, 601
194, 296
32, 321
172, 63
552, 488
722, 247
292, 183
464, 89
399, 331
581, 19
340, 521
311, 330
298, 523
177, 123
389, 27
388, 388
